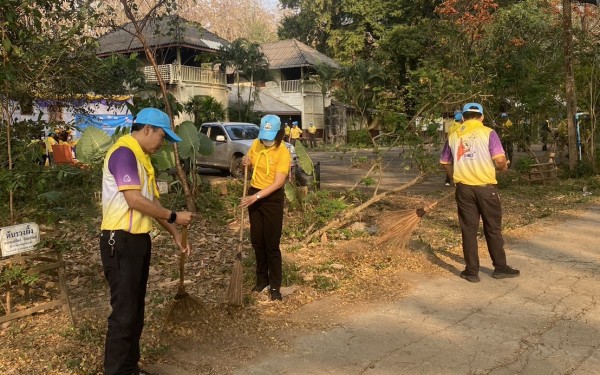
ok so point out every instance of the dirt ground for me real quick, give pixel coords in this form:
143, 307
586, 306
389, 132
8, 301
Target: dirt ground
325, 281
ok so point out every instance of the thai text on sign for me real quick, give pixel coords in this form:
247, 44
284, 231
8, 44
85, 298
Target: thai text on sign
18, 239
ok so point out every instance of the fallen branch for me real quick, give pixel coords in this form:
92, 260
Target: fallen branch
350, 214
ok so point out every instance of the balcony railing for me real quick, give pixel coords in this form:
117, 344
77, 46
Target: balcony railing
171, 74
291, 86
298, 85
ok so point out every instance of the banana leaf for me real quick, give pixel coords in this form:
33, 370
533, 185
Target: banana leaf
290, 193
190, 141
93, 143
164, 158
304, 161
207, 147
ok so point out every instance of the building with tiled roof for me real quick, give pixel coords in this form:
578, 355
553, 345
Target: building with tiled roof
166, 32
293, 66
179, 42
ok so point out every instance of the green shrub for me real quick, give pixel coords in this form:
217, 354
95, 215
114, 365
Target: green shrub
360, 138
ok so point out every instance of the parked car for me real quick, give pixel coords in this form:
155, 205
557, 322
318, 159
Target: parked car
232, 141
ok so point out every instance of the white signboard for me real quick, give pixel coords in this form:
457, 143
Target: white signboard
163, 187
18, 239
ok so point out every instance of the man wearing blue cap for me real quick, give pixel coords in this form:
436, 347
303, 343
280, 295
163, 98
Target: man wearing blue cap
508, 136
458, 119
295, 133
129, 203
271, 163
471, 156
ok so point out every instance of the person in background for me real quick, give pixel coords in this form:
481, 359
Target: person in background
295, 133
72, 143
458, 119
287, 132
312, 135
507, 134
63, 138
545, 134
271, 162
471, 156
130, 201
52, 139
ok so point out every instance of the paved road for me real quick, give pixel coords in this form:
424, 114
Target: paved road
343, 170
545, 322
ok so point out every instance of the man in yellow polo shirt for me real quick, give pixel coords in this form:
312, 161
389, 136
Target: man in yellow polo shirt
295, 133
471, 156
129, 203
312, 135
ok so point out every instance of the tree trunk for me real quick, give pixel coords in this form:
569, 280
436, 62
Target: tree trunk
345, 218
571, 102
8, 120
139, 34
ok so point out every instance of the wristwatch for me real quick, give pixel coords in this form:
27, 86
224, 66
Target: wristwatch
257, 196
172, 217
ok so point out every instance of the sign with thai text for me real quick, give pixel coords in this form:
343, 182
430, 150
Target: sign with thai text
18, 239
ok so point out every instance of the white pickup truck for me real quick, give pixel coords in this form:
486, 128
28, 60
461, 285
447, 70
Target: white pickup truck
232, 141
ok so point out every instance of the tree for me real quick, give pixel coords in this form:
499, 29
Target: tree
47, 53
245, 60
141, 23
359, 85
204, 109
523, 58
349, 30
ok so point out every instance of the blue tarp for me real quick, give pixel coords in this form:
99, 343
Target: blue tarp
108, 123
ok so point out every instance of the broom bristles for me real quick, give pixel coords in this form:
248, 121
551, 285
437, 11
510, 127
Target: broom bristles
184, 307
396, 228
235, 294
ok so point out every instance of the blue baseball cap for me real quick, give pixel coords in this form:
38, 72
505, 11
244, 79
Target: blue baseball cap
294, 122
458, 116
473, 107
269, 126
503, 114
159, 119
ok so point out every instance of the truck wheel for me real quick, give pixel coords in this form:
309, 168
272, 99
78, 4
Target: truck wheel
237, 169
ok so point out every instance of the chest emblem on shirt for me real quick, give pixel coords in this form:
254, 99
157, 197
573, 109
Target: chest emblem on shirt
127, 178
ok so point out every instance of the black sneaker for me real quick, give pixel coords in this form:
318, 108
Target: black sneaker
276, 295
260, 287
469, 278
505, 272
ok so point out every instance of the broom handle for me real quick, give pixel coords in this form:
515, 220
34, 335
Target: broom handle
239, 251
432, 205
184, 241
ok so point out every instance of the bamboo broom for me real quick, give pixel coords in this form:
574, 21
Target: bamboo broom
397, 226
235, 294
184, 306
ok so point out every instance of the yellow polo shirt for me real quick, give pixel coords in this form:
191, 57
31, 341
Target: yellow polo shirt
267, 161
296, 132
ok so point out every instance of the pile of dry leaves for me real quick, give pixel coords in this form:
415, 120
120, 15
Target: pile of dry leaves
324, 279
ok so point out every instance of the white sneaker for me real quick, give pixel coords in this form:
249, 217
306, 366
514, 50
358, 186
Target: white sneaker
447, 184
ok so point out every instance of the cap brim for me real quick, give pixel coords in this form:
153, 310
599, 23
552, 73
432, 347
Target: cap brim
171, 136
267, 135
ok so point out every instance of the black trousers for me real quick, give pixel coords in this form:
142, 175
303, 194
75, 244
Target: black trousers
126, 265
475, 202
312, 140
508, 149
266, 224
